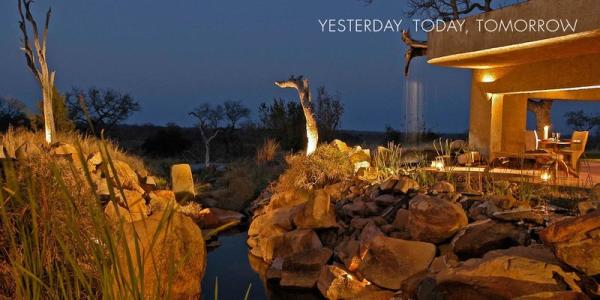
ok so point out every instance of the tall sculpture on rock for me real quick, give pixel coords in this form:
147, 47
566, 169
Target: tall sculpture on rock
37, 63
301, 85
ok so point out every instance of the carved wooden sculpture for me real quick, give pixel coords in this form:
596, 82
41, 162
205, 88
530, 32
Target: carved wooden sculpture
415, 49
312, 132
40, 67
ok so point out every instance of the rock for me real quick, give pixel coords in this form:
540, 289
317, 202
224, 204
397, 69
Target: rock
502, 277
110, 211
388, 262
289, 198
162, 200
434, 220
386, 200
372, 209
443, 187
482, 211
94, 159
534, 251
150, 181
340, 145
388, 184
134, 202
401, 220
335, 282
317, 212
562, 295
335, 191
162, 250
595, 193
64, 149
570, 228
359, 223
182, 182
354, 208
503, 201
582, 255
520, 214
290, 243
406, 184
347, 252
368, 173
191, 209
585, 207
476, 239
125, 175
302, 269
102, 188
215, 217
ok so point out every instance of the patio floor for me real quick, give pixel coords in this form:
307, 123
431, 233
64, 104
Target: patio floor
589, 174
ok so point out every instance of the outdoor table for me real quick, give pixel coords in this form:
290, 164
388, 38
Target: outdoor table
555, 146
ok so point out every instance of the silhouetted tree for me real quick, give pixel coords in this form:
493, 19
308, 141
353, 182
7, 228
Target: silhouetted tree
329, 110
12, 113
166, 142
234, 111
285, 122
102, 108
209, 118
579, 120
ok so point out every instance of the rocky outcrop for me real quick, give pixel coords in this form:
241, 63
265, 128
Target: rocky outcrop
388, 262
161, 247
476, 239
576, 241
502, 277
434, 220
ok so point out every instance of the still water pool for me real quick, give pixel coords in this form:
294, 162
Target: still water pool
230, 263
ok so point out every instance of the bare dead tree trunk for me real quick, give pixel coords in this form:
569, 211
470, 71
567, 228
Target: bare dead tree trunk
40, 70
312, 132
541, 110
415, 49
207, 139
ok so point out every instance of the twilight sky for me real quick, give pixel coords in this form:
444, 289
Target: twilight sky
173, 55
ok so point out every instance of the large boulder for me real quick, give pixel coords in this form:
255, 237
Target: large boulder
302, 269
520, 214
576, 241
134, 202
561, 295
476, 239
388, 262
434, 220
175, 252
289, 198
406, 184
502, 277
289, 243
317, 212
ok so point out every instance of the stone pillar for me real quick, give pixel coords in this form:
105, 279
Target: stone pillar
480, 115
182, 182
514, 123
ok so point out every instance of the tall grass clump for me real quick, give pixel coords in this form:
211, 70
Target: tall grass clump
267, 152
327, 165
388, 161
56, 241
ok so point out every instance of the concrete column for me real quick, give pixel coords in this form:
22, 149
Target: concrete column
514, 122
480, 116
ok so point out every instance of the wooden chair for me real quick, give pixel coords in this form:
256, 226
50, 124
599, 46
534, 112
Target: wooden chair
577, 149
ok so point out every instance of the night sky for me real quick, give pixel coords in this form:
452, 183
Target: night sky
173, 55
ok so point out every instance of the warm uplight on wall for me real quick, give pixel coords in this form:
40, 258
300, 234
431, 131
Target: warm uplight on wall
488, 77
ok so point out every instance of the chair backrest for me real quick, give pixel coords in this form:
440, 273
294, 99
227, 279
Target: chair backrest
581, 136
531, 141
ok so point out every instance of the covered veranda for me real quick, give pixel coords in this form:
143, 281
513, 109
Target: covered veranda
510, 68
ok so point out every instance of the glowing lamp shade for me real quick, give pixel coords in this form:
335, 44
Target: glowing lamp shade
488, 77
438, 163
546, 175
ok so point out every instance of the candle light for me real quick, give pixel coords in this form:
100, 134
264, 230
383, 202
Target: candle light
546, 175
546, 128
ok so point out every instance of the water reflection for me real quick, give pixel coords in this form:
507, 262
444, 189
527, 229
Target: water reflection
236, 269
